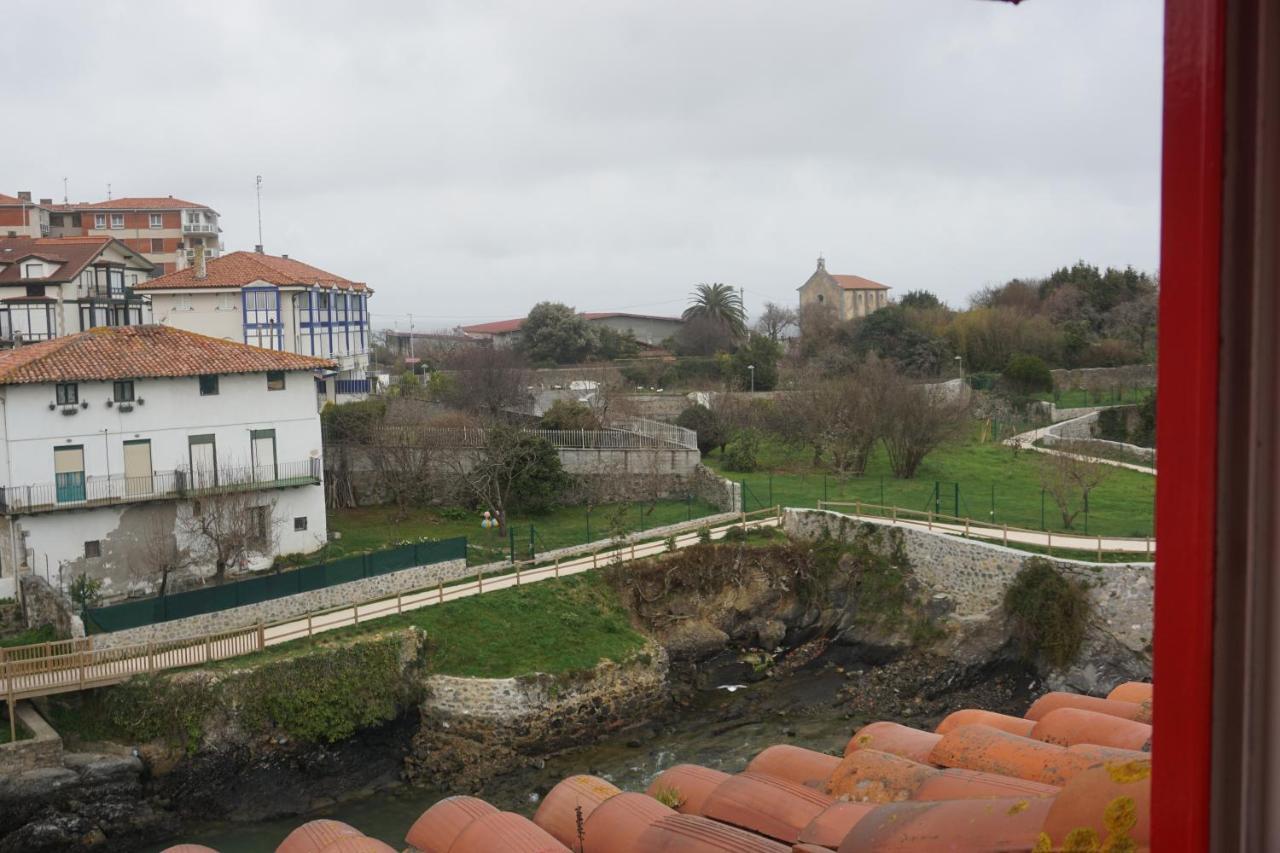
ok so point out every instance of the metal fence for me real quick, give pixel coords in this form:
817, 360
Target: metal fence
630, 434
75, 490
133, 614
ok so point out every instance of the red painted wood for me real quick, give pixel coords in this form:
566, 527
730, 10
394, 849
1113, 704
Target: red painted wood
1190, 263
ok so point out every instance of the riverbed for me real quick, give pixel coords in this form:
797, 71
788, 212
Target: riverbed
721, 728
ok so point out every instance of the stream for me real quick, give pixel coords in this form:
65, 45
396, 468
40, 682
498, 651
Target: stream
719, 728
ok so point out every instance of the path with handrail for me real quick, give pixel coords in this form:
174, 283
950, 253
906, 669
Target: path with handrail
1027, 441
70, 665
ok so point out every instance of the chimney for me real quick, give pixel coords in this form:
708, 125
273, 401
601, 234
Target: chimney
202, 269
286, 257
46, 201
25, 195
258, 249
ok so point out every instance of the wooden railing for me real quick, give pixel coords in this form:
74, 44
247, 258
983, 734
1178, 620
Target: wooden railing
63, 666
1009, 536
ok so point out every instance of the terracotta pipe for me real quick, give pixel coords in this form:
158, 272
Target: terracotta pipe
973, 716
772, 807
897, 739
314, 835
960, 825
1071, 726
617, 823
692, 834
993, 751
571, 800
958, 784
1132, 691
828, 829
1107, 806
189, 848
871, 776
795, 764
1053, 701
685, 787
508, 832
358, 844
438, 827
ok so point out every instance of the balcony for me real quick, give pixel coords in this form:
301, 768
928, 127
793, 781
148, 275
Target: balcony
76, 491
199, 228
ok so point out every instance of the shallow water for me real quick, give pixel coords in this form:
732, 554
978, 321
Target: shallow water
720, 729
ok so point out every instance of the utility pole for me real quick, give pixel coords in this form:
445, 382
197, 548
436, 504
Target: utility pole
258, 186
64, 192
108, 192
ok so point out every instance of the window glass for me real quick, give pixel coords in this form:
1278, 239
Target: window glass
275, 380
117, 220
93, 548
123, 391
209, 385
68, 393
157, 220
300, 523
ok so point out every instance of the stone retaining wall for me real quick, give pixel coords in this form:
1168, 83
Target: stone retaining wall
1079, 430
973, 575
42, 749
289, 607
44, 605
551, 710
1126, 376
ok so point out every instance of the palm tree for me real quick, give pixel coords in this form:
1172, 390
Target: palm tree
718, 302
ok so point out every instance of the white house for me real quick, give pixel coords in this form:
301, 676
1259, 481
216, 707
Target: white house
112, 441
51, 286
273, 302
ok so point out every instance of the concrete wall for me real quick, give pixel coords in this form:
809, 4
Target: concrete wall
1080, 431
291, 606
972, 576
43, 749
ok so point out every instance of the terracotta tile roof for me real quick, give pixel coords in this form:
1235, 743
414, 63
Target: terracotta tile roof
502, 327
857, 282
9, 200
238, 269
133, 352
134, 203
74, 253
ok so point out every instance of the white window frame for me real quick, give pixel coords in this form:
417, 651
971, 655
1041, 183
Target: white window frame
227, 302
183, 302
157, 220
117, 221
99, 220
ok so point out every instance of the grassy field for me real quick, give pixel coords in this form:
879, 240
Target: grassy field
981, 481
551, 626
42, 634
372, 528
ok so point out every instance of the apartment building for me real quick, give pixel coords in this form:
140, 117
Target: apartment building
274, 302
165, 230
55, 286
113, 440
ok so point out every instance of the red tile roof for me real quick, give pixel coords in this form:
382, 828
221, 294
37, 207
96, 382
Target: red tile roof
132, 352
134, 203
502, 327
74, 253
9, 200
238, 269
857, 282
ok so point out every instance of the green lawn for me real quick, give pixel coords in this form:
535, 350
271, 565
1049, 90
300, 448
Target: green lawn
42, 634
552, 626
981, 481
373, 528
1074, 398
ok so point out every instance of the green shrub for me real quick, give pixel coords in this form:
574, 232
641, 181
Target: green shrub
1048, 613
742, 453
569, 414
704, 422
1027, 374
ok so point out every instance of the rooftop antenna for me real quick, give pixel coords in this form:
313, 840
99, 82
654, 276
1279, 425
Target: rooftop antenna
65, 200
259, 188
108, 192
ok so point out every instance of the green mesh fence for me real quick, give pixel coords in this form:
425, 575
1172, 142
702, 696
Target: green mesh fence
133, 614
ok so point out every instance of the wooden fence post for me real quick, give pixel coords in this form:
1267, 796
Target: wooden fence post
517, 574
208, 648
930, 519
1006, 534
1099, 548
480, 581
262, 636
1049, 534
151, 658
966, 528
309, 631
440, 591
557, 567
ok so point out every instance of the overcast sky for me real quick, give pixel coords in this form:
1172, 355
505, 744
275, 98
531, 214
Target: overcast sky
468, 159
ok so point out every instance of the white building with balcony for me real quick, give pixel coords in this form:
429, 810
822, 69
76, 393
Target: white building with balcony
113, 441
277, 303
53, 286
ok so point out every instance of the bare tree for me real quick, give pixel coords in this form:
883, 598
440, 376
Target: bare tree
775, 320
1069, 476
407, 466
488, 380
156, 553
226, 529
512, 467
834, 416
914, 419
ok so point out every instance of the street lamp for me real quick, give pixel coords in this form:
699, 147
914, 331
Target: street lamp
960, 365
752, 368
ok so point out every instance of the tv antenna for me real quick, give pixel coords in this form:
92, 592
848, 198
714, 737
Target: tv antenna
259, 189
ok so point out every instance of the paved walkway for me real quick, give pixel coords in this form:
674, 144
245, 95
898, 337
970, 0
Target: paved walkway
1027, 441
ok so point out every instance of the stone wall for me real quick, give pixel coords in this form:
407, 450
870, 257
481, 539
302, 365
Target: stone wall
289, 607
1126, 376
1080, 431
971, 577
552, 710
44, 605
42, 749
